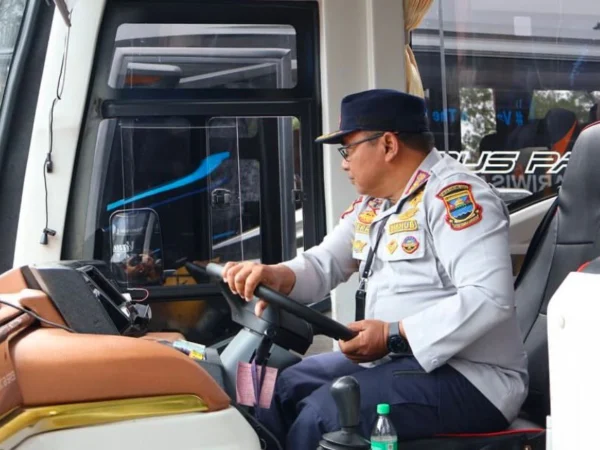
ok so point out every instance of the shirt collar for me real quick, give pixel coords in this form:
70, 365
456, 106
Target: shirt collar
418, 179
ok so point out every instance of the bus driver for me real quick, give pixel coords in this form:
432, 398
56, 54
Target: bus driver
441, 342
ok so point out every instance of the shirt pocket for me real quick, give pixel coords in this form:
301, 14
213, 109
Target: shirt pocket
408, 262
403, 246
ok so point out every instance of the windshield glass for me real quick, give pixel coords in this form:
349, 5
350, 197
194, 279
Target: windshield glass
11, 16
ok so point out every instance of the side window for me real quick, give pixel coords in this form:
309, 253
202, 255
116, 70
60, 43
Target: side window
509, 88
11, 15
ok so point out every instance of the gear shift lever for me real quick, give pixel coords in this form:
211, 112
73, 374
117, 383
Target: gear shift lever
346, 394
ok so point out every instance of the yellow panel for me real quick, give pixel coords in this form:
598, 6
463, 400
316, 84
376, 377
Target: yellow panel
31, 421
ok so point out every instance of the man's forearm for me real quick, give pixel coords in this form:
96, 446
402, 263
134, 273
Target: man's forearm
287, 278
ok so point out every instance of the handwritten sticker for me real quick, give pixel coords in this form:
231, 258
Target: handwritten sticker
245, 390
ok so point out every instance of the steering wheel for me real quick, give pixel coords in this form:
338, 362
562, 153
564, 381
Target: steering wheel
327, 326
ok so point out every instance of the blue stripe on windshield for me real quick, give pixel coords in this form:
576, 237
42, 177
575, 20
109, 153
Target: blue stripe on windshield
223, 235
209, 164
188, 194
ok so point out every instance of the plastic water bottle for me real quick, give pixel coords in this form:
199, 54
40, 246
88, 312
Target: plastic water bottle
384, 436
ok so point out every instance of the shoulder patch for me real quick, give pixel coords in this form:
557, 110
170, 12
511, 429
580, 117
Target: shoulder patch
352, 206
462, 211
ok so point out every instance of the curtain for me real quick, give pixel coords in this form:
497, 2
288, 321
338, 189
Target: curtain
414, 11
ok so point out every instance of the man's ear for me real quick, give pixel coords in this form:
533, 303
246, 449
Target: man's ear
392, 146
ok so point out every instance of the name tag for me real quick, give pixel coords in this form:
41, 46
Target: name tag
402, 226
361, 228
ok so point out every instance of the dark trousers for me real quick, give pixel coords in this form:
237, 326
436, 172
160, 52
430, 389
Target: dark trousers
422, 404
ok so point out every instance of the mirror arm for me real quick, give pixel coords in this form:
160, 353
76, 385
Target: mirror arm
63, 9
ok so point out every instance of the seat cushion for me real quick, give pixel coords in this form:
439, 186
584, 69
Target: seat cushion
518, 435
524, 424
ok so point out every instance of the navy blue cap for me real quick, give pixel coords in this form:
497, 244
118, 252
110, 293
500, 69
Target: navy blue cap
379, 110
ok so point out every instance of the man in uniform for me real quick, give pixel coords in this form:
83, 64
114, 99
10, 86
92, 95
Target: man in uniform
429, 239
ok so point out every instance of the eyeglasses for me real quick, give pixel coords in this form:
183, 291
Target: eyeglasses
344, 150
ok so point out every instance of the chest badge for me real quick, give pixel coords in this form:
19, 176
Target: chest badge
408, 214
414, 202
410, 244
367, 217
413, 206
359, 246
392, 246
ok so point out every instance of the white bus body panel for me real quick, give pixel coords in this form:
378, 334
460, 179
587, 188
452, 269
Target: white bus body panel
222, 430
573, 316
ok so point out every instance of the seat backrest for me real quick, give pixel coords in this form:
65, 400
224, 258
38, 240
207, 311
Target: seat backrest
571, 238
561, 129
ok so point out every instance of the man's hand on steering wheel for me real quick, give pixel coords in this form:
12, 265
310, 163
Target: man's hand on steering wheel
243, 278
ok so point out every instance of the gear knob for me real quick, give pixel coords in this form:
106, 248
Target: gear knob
346, 394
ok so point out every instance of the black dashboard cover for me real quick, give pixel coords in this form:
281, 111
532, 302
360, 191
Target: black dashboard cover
71, 295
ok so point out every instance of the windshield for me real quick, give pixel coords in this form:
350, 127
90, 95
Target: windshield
11, 15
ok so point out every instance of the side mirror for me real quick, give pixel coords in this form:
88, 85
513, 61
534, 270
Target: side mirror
136, 247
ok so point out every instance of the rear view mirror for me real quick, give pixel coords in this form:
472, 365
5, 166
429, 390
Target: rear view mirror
136, 247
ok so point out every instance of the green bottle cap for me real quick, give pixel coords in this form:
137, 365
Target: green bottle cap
383, 408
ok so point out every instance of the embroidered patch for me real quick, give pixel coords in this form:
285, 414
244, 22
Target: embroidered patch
361, 228
392, 246
413, 206
414, 202
409, 213
403, 225
410, 244
375, 204
462, 211
420, 178
352, 206
358, 246
366, 217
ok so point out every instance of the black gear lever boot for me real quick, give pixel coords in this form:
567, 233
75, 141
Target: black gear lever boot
346, 394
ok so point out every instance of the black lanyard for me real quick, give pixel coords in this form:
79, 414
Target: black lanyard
361, 293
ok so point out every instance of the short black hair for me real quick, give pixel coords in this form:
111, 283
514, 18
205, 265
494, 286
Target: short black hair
423, 142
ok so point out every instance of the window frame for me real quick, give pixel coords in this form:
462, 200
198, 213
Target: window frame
17, 114
517, 59
301, 101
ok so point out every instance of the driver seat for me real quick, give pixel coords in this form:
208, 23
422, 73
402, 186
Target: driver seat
567, 237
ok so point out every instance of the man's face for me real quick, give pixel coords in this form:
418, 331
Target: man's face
364, 161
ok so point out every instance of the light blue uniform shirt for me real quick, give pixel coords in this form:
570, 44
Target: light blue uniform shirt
443, 267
